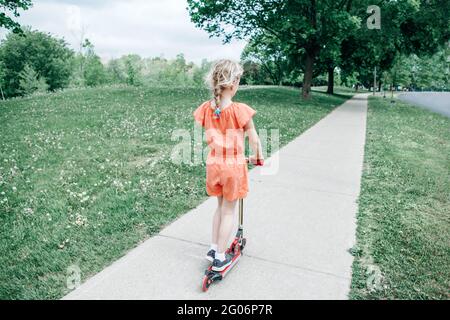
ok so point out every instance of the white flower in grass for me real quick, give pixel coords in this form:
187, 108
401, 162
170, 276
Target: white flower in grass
117, 184
80, 220
28, 211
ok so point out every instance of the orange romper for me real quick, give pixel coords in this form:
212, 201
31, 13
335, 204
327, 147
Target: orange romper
226, 169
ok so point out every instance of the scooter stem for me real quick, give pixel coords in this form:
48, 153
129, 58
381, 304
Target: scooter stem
241, 212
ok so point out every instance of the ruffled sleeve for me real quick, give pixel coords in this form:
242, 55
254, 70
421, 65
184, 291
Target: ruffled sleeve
199, 114
244, 114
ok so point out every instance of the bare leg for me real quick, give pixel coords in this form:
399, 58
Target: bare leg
216, 221
226, 224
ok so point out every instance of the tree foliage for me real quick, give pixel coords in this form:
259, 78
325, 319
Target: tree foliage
415, 73
48, 56
318, 36
407, 27
10, 8
303, 27
93, 70
30, 81
268, 53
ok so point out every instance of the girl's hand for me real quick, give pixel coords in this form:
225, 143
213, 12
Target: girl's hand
257, 161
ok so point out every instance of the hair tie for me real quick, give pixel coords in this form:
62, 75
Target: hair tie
217, 112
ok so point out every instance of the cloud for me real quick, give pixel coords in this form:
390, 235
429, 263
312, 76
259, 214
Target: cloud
84, 3
73, 22
116, 27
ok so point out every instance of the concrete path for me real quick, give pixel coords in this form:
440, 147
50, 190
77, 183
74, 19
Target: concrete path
299, 224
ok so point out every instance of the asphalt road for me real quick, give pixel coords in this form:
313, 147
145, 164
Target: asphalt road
435, 101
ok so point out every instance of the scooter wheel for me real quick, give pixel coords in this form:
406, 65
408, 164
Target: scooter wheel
244, 241
206, 283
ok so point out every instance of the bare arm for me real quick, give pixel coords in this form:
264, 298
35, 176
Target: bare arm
253, 139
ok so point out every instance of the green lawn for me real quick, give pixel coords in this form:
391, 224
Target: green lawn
85, 175
403, 233
339, 90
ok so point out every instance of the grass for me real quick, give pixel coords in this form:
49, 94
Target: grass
86, 175
339, 90
403, 232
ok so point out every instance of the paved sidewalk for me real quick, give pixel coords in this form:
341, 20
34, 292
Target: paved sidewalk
299, 225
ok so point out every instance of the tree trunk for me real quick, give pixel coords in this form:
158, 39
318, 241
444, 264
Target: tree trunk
271, 74
330, 89
307, 77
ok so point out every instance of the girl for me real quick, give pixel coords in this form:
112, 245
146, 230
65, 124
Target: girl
225, 122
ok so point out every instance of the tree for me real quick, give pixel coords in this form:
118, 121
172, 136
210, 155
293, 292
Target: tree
400, 72
304, 27
328, 59
130, 69
267, 51
30, 81
2, 79
253, 73
176, 72
351, 80
407, 27
152, 69
48, 56
93, 70
116, 71
133, 69
199, 73
423, 73
13, 6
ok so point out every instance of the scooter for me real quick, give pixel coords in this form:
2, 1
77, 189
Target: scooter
236, 248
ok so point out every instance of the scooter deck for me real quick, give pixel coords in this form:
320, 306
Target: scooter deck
225, 271
212, 276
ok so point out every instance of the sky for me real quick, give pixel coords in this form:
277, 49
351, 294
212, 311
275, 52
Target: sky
149, 28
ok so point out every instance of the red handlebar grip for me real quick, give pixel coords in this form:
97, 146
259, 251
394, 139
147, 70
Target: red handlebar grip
258, 162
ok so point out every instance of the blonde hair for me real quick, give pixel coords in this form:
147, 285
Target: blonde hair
223, 74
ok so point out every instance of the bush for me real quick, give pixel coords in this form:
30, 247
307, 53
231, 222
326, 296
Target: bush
49, 57
94, 72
